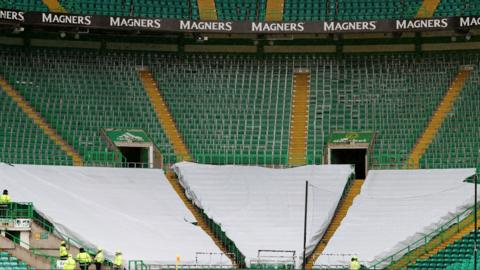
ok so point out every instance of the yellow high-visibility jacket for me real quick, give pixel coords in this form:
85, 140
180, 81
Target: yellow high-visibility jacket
84, 257
118, 261
5, 199
63, 251
69, 264
355, 265
99, 258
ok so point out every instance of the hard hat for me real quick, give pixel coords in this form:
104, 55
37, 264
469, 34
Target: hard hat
99, 249
70, 255
62, 243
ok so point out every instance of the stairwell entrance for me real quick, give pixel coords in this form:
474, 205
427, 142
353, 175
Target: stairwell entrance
353, 156
136, 156
136, 147
350, 148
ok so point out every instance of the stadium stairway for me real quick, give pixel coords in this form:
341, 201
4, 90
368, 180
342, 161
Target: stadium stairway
299, 119
51, 244
37, 119
274, 10
199, 216
438, 117
164, 115
54, 6
20, 258
437, 244
428, 8
207, 10
340, 214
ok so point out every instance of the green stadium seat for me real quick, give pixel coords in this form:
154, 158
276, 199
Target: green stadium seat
241, 10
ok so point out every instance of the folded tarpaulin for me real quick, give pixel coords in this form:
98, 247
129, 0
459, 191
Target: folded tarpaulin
132, 210
396, 208
263, 208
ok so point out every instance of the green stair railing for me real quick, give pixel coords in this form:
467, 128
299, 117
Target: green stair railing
428, 241
16, 210
33, 250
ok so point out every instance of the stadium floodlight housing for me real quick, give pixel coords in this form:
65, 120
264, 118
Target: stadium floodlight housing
77, 35
62, 34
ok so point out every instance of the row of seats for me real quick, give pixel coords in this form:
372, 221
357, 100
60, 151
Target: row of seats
229, 109
22, 141
457, 142
176, 9
82, 92
456, 256
250, 10
255, 10
458, 8
236, 109
8, 262
349, 9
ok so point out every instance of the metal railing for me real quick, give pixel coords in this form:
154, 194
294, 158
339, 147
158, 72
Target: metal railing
428, 241
141, 265
16, 210
33, 250
49, 227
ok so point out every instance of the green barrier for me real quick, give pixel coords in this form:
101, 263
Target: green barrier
423, 245
137, 265
16, 210
49, 227
34, 251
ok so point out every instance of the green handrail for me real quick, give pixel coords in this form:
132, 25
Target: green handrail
34, 251
137, 265
422, 242
16, 210
49, 227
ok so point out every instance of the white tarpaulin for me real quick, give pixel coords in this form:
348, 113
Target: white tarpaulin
262, 208
394, 209
132, 210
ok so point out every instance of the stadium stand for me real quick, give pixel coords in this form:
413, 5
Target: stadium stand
22, 141
311, 10
393, 95
177, 9
458, 256
458, 8
27, 5
10, 262
458, 140
438, 117
229, 109
251, 10
164, 116
388, 213
259, 208
232, 109
135, 210
79, 93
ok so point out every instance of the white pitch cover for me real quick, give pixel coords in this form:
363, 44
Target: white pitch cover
394, 209
263, 208
132, 210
